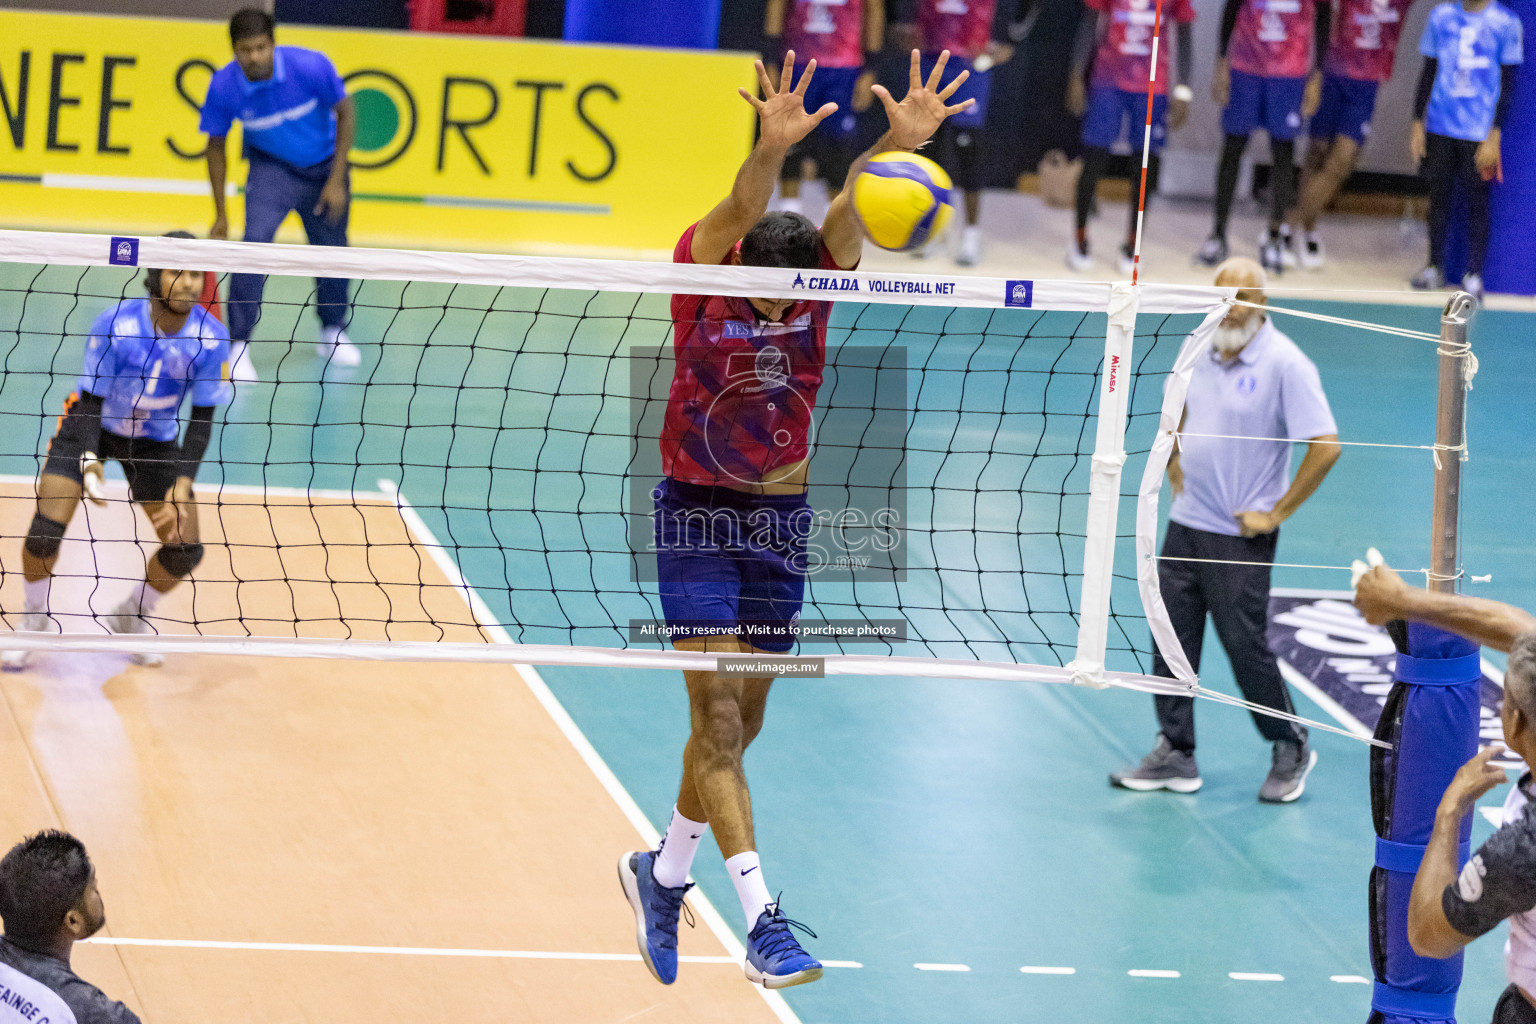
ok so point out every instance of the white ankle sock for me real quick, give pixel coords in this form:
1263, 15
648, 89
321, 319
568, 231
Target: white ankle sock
675, 855
747, 876
144, 599
35, 595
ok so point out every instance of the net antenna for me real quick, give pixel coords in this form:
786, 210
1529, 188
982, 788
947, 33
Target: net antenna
1146, 140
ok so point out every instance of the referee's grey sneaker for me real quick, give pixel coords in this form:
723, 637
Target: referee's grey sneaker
1288, 772
1164, 768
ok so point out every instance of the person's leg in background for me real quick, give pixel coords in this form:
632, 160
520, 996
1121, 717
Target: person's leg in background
1476, 190
332, 305
1101, 127
1171, 764
269, 195
1281, 119
1439, 171
1239, 118
1239, 599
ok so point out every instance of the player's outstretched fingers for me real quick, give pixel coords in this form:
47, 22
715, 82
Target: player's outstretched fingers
805, 78
915, 75
826, 111
938, 71
949, 90
787, 74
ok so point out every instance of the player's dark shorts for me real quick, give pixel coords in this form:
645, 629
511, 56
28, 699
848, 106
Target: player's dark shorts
149, 465
832, 85
1347, 107
729, 562
1108, 110
1273, 104
1512, 1008
978, 87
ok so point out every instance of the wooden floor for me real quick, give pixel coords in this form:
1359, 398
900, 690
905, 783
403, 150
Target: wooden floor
437, 810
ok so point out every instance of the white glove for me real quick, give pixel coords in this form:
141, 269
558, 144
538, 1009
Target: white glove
93, 478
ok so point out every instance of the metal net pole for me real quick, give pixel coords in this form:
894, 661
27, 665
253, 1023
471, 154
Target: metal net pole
1450, 439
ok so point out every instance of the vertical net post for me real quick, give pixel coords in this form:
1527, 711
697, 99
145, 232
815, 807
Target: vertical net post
1450, 440
1104, 488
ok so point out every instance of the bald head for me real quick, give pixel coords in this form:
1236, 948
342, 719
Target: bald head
1242, 272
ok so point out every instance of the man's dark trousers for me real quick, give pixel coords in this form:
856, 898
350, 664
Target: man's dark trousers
271, 190
1237, 598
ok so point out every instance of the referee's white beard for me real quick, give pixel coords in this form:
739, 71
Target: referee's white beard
1228, 340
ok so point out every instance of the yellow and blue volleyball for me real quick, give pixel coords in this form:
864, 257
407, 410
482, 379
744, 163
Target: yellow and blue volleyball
903, 200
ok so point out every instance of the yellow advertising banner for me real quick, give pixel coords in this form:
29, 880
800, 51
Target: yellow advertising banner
462, 141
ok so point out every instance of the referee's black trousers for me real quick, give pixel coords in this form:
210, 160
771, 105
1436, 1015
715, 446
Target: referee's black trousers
1237, 598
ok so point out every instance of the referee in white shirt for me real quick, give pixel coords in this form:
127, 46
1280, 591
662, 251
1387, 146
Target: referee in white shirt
1230, 497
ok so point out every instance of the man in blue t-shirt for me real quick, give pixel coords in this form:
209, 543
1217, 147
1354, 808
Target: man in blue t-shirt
1470, 52
143, 359
298, 122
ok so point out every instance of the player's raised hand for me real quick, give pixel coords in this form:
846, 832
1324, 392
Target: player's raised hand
924, 108
781, 111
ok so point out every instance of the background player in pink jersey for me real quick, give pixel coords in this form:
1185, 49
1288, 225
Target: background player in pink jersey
1122, 64
975, 35
1360, 58
732, 517
837, 35
1262, 80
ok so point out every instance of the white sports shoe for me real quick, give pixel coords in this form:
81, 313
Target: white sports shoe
970, 246
32, 621
1311, 251
241, 369
124, 620
1078, 256
337, 348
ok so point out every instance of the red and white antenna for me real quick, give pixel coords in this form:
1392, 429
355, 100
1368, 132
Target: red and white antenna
1146, 141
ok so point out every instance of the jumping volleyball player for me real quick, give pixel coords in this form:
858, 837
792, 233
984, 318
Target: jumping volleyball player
731, 515
144, 356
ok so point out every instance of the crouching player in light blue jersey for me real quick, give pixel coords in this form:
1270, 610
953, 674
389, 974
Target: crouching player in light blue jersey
143, 358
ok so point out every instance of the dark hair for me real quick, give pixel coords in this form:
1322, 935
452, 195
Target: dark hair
782, 239
152, 274
42, 878
251, 21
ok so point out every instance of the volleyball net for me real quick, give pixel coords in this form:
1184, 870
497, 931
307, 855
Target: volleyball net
986, 462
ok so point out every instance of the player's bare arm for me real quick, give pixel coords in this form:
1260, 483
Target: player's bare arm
1429, 932
1382, 595
912, 122
333, 197
218, 173
782, 122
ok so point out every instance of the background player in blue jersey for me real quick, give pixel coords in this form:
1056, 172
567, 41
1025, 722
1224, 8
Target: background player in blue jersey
1465, 89
142, 359
298, 122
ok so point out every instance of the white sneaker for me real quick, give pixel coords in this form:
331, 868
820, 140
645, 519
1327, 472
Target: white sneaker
336, 348
31, 622
125, 620
1279, 248
1472, 284
1078, 256
1126, 261
240, 368
1311, 251
970, 246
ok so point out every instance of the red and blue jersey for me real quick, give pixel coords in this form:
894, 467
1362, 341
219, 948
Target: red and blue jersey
829, 31
1124, 58
744, 389
1273, 38
963, 27
1365, 39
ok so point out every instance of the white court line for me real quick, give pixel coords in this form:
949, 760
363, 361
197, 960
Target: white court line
578, 740
1251, 976
957, 968
116, 482
1349, 979
1047, 970
1152, 974
488, 954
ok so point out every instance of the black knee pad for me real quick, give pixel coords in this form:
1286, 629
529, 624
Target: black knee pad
180, 559
44, 537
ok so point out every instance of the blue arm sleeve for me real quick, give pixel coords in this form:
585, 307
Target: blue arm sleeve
100, 367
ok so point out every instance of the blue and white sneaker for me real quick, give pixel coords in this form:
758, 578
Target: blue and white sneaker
656, 911
774, 958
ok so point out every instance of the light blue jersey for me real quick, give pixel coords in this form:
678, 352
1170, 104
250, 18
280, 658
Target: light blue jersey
1471, 49
142, 375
